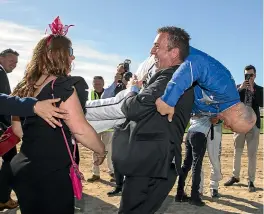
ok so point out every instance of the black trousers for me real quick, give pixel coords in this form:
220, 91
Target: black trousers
118, 177
144, 195
5, 185
194, 154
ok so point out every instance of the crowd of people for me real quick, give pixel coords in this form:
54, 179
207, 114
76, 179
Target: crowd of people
137, 124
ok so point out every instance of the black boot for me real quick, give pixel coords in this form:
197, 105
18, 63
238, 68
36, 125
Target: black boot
251, 187
196, 202
231, 181
115, 191
181, 196
214, 193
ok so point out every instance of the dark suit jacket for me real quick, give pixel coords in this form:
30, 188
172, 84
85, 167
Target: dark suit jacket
16, 106
256, 102
146, 144
5, 89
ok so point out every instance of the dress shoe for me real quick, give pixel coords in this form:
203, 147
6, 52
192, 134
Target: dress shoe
251, 187
10, 204
112, 179
231, 181
214, 193
181, 198
93, 178
197, 202
115, 191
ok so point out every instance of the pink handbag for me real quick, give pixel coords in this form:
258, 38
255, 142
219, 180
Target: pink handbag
75, 174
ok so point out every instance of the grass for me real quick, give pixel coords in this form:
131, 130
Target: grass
227, 131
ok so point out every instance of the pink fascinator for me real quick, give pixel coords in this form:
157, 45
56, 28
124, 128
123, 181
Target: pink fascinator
57, 29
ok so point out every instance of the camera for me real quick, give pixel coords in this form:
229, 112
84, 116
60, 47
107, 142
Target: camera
127, 74
126, 65
247, 76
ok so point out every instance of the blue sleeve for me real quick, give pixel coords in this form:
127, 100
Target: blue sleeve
182, 79
109, 92
17, 106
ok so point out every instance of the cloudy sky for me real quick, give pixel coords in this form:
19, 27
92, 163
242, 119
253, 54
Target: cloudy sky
107, 32
89, 61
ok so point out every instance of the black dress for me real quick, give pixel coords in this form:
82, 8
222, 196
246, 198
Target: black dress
41, 168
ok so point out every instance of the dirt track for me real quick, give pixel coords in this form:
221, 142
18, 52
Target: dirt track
234, 199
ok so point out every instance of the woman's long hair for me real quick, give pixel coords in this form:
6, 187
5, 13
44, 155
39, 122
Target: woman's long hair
50, 57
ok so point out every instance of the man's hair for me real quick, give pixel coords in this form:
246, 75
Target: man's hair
178, 38
98, 78
249, 67
8, 51
120, 64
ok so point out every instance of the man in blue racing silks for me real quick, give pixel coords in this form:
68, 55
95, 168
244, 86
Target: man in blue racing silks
215, 92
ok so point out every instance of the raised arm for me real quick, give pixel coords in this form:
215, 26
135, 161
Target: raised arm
81, 129
182, 79
109, 91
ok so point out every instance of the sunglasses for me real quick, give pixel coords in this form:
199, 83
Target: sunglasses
70, 51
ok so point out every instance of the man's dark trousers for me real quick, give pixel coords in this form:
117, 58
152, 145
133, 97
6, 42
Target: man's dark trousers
194, 153
5, 174
118, 177
150, 192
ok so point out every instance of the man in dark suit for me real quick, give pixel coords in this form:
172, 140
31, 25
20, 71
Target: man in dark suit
145, 145
8, 62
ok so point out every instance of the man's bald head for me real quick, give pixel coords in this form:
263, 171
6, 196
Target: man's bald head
239, 118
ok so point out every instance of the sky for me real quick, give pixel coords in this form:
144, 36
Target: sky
107, 32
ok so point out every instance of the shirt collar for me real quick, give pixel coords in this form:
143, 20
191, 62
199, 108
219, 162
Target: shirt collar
2, 68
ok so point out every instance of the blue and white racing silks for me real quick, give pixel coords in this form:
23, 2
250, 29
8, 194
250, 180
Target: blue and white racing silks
215, 90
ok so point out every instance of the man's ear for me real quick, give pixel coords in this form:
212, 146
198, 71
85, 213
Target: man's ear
175, 53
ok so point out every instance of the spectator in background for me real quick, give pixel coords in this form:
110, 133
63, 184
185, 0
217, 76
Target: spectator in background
97, 93
8, 62
252, 95
100, 93
98, 85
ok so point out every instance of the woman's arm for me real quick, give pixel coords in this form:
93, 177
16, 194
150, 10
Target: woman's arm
16, 126
81, 129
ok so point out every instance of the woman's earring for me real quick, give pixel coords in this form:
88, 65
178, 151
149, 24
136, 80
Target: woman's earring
72, 66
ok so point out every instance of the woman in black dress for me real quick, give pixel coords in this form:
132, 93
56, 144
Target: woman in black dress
41, 169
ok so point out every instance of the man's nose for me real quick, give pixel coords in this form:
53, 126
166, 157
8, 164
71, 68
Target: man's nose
152, 50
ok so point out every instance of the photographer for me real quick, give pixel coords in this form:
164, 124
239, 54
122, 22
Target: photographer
123, 76
252, 95
119, 84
